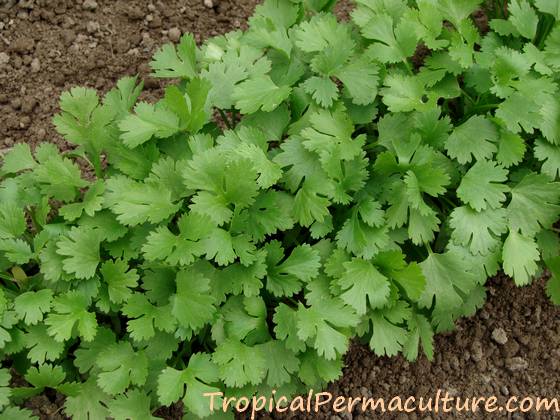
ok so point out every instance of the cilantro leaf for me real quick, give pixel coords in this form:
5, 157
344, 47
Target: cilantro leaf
520, 255
148, 121
81, 251
284, 276
482, 186
87, 401
446, 281
550, 156
553, 285
362, 284
31, 306
18, 159
135, 203
120, 279
41, 345
200, 372
259, 93
535, 204
121, 367
193, 306
479, 230
319, 324
70, 313
134, 404
523, 17
176, 62
240, 364
474, 138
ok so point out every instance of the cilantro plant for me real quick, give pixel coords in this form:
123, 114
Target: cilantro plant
360, 178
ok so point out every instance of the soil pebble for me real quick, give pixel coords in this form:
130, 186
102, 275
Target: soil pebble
90, 5
499, 336
515, 364
4, 58
22, 45
174, 34
35, 65
92, 27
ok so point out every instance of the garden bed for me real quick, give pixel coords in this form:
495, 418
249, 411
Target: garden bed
511, 346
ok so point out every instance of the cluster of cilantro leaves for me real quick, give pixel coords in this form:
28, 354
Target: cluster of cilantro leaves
354, 187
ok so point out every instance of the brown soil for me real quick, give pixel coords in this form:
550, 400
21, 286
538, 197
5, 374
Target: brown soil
51, 46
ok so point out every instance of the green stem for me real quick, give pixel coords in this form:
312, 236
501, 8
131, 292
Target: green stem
448, 201
540, 38
408, 67
469, 97
429, 249
225, 119
5, 277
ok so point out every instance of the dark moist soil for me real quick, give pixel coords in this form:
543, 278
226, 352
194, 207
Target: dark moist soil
49, 46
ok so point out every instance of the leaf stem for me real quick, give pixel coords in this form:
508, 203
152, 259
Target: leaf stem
428, 248
225, 118
469, 97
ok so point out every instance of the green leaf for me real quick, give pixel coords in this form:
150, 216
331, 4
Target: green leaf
92, 203
135, 404
281, 363
87, 402
59, 177
200, 372
147, 122
135, 203
553, 285
320, 325
362, 283
511, 149
177, 62
69, 314
82, 120
447, 282
286, 328
121, 367
523, 17
193, 305
520, 255
403, 93
361, 78
480, 231
5, 390
284, 276
322, 89
550, 156
120, 279
420, 332
144, 317
394, 43
388, 332
551, 7
474, 138
45, 376
18, 159
16, 250
41, 345
240, 364
537, 196
31, 306
81, 251
259, 93
483, 186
